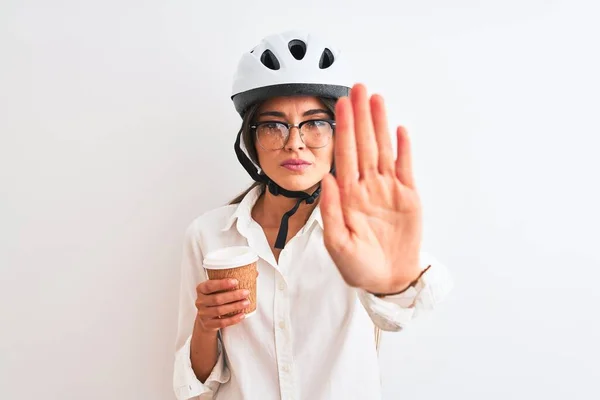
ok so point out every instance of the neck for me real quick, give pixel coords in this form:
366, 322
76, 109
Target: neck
269, 209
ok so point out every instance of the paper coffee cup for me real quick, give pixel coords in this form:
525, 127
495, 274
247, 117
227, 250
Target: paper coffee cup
237, 262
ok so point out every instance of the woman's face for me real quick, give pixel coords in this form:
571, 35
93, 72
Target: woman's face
296, 166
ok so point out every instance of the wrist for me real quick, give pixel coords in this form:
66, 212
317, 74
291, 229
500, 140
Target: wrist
199, 329
402, 287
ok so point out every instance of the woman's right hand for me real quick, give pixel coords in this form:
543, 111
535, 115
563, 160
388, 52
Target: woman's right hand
216, 298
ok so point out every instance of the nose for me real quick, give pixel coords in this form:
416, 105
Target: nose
294, 141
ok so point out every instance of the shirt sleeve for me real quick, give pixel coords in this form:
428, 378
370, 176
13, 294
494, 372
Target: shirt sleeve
185, 383
393, 313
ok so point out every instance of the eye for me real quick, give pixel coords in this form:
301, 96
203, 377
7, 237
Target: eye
271, 127
316, 124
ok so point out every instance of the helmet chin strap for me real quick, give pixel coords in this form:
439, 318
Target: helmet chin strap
275, 190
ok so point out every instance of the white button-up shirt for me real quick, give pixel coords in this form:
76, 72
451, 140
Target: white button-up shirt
312, 337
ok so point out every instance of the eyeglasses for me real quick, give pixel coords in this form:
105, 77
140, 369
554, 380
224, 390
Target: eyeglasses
314, 133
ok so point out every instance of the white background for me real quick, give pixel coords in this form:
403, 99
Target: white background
117, 130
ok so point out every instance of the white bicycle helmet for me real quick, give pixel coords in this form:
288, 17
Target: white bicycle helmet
287, 64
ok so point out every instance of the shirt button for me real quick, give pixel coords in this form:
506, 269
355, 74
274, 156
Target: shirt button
285, 368
282, 286
282, 324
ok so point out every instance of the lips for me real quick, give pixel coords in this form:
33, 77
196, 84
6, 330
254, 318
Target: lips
295, 164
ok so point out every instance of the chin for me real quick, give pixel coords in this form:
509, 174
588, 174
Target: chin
296, 183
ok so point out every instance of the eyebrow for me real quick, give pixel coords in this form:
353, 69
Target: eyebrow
306, 113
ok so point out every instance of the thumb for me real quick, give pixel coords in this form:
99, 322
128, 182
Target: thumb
335, 232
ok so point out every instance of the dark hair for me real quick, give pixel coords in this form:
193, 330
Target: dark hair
248, 139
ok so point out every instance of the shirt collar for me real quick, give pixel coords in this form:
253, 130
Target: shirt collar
243, 212
315, 217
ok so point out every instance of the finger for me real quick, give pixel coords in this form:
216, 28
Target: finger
218, 299
216, 285
403, 161
345, 144
217, 311
384, 142
335, 231
218, 323
366, 146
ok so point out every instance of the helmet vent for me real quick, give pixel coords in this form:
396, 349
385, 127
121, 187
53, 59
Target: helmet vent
269, 60
326, 59
297, 48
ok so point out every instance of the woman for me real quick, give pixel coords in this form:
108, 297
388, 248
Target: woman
339, 246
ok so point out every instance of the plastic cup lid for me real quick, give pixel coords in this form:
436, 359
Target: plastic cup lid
230, 257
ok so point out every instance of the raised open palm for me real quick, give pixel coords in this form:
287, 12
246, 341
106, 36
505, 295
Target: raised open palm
371, 209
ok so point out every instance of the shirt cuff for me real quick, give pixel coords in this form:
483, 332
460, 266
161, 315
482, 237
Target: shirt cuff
187, 385
394, 312
385, 314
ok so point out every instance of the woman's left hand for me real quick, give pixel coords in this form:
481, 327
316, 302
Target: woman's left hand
371, 209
